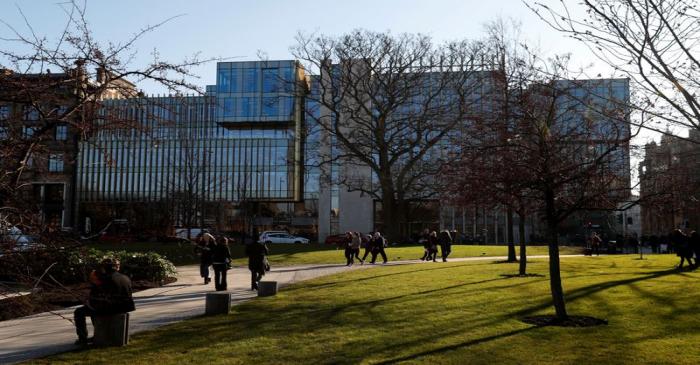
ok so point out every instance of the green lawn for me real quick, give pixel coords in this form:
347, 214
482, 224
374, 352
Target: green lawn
291, 254
459, 313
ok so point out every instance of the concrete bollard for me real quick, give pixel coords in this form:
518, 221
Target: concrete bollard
111, 330
267, 288
218, 303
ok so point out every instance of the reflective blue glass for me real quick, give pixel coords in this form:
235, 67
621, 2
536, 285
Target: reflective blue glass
270, 106
250, 80
271, 80
224, 82
229, 107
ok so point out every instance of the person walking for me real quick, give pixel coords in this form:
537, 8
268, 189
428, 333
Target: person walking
257, 262
445, 240
595, 244
355, 243
221, 261
367, 240
110, 293
694, 245
680, 244
425, 241
378, 243
203, 248
432, 246
348, 248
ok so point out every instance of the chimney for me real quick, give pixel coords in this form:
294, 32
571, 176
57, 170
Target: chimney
101, 74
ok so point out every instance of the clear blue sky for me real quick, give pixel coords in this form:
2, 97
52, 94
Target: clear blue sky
240, 29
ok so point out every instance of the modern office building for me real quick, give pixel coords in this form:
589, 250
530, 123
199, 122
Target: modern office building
230, 159
247, 154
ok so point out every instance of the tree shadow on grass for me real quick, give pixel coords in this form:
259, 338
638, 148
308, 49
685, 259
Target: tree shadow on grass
457, 346
333, 283
586, 291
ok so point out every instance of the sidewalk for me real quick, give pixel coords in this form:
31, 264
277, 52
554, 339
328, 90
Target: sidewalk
48, 333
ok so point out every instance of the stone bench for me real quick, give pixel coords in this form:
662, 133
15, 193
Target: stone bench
111, 330
218, 303
267, 288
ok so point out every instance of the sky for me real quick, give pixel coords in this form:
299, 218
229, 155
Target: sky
243, 30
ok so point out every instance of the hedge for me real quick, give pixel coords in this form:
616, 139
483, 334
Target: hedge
72, 266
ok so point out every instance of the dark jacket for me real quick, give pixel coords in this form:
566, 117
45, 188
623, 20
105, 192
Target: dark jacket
220, 254
445, 239
377, 244
113, 295
204, 250
256, 253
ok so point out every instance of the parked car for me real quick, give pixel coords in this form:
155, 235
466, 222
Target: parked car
13, 240
284, 238
336, 239
263, 236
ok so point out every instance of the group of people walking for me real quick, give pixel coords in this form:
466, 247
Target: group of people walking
432, 240
215, 253
687, 247
373, 243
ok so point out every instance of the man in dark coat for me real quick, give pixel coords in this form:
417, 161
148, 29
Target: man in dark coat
680, 244
445, 240
204, 247
694, 243
257, 262
378, 247
110, 294
221, 259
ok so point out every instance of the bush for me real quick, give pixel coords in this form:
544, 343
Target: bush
73, 265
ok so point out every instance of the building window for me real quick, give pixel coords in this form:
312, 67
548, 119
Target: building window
248, 108
31, 113
250, 80
229, 107
270, 80
224, 80
4, 133
4, 112
61, 132
28, 132
56, 162
270, 106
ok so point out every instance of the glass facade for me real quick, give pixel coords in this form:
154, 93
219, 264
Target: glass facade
175, 146
257, 92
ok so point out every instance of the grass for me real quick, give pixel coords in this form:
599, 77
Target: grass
292, 254
454, 313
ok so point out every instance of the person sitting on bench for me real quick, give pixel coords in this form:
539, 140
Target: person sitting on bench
110, 294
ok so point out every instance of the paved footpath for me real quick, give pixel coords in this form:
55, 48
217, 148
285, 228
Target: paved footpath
49, 333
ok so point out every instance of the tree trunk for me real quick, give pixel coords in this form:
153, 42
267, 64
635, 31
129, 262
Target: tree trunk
509, 236
554, 268
390, 215
523, 253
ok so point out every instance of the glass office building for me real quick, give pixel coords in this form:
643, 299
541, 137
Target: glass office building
217, 160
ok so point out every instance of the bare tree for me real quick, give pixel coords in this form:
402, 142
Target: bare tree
653, 42
53, 87
387, 106
566, 151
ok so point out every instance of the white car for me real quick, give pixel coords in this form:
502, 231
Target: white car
263, 236
13, 240
283, 238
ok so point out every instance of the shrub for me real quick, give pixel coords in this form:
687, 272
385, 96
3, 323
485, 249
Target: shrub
73, 265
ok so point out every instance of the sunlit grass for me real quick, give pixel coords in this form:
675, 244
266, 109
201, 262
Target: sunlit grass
293, 254
460, 313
